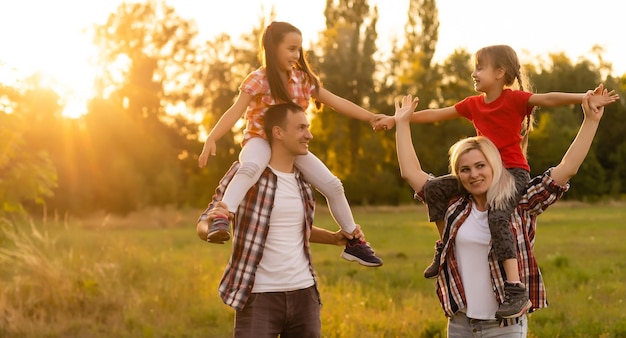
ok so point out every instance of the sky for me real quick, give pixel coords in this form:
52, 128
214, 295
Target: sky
49, 35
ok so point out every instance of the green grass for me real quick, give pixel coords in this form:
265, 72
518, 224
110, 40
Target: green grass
148, 275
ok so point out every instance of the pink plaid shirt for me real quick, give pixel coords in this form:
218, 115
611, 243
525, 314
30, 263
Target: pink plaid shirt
256, 84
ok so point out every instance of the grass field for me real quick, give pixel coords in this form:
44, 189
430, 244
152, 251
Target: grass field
148, 275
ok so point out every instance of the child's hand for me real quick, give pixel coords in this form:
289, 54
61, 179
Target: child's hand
207, 150
405, 109
382, 122
342, 237
601, 97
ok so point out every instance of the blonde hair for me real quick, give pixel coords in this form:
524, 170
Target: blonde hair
503, 184
503, 56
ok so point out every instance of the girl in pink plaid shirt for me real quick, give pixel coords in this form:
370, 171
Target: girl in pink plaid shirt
284, 76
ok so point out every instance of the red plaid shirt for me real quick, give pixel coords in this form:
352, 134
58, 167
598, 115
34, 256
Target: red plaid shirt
541, 192
256, 84
250, 229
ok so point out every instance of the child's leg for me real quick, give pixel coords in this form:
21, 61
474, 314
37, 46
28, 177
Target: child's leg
254, 157
516, 301
437, 193
316, 173
499, 225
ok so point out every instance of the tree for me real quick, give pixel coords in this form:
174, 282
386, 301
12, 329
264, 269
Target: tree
414, 59
27, 175
147, 52
222, 68
345, 59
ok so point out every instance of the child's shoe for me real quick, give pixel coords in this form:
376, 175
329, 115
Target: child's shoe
219, 230
516, 301
433, 269
359, 251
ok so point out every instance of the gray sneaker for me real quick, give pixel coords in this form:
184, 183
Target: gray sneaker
433, 269
219, 231
516, 301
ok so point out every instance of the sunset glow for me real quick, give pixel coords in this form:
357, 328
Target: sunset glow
53, 39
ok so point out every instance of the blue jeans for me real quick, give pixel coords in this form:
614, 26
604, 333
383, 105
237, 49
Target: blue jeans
459, 326
291, 314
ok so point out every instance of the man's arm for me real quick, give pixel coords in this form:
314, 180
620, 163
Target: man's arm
323, 236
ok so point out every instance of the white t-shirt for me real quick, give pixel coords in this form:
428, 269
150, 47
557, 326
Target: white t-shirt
284, 266
471, 251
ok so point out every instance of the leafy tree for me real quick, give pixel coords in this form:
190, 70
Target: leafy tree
27, 175
346, 66
611, 143
146, 53
416, 72
558, 126
222, 68
436, 85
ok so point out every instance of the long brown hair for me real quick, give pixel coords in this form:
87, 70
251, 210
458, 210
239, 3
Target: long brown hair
272, 36
503, 56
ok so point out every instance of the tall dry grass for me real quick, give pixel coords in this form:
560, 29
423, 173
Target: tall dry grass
147, 275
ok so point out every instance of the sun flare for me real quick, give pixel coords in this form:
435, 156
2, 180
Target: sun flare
59, 50
53, 40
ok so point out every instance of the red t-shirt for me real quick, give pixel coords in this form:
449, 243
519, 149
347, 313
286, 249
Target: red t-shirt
501, 122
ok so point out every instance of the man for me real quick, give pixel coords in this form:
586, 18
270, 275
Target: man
270, 280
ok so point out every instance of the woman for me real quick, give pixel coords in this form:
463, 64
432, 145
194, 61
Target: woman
470, 282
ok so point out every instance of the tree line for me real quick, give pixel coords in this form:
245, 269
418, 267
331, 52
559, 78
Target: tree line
138, 143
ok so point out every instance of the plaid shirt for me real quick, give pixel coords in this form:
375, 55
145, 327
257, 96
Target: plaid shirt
258, 87
250, 228
541, 192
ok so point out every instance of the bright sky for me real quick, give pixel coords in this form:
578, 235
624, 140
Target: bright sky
47, 35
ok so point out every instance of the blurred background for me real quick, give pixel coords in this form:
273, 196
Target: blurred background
104, 106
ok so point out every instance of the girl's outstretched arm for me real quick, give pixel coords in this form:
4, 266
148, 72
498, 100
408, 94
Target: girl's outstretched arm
555, 99
435, 115
225, 123
421, 116
345, 107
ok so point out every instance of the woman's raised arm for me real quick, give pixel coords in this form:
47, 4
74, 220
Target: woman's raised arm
579, 148
410, 167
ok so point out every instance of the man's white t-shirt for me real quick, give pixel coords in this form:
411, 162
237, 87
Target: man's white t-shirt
284, 266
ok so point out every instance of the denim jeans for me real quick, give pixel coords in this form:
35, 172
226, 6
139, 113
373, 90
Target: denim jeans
459, 326
291, 314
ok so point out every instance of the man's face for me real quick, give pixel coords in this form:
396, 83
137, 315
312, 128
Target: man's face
296, 134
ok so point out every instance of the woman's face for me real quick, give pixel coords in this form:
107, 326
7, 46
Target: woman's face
475, 173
